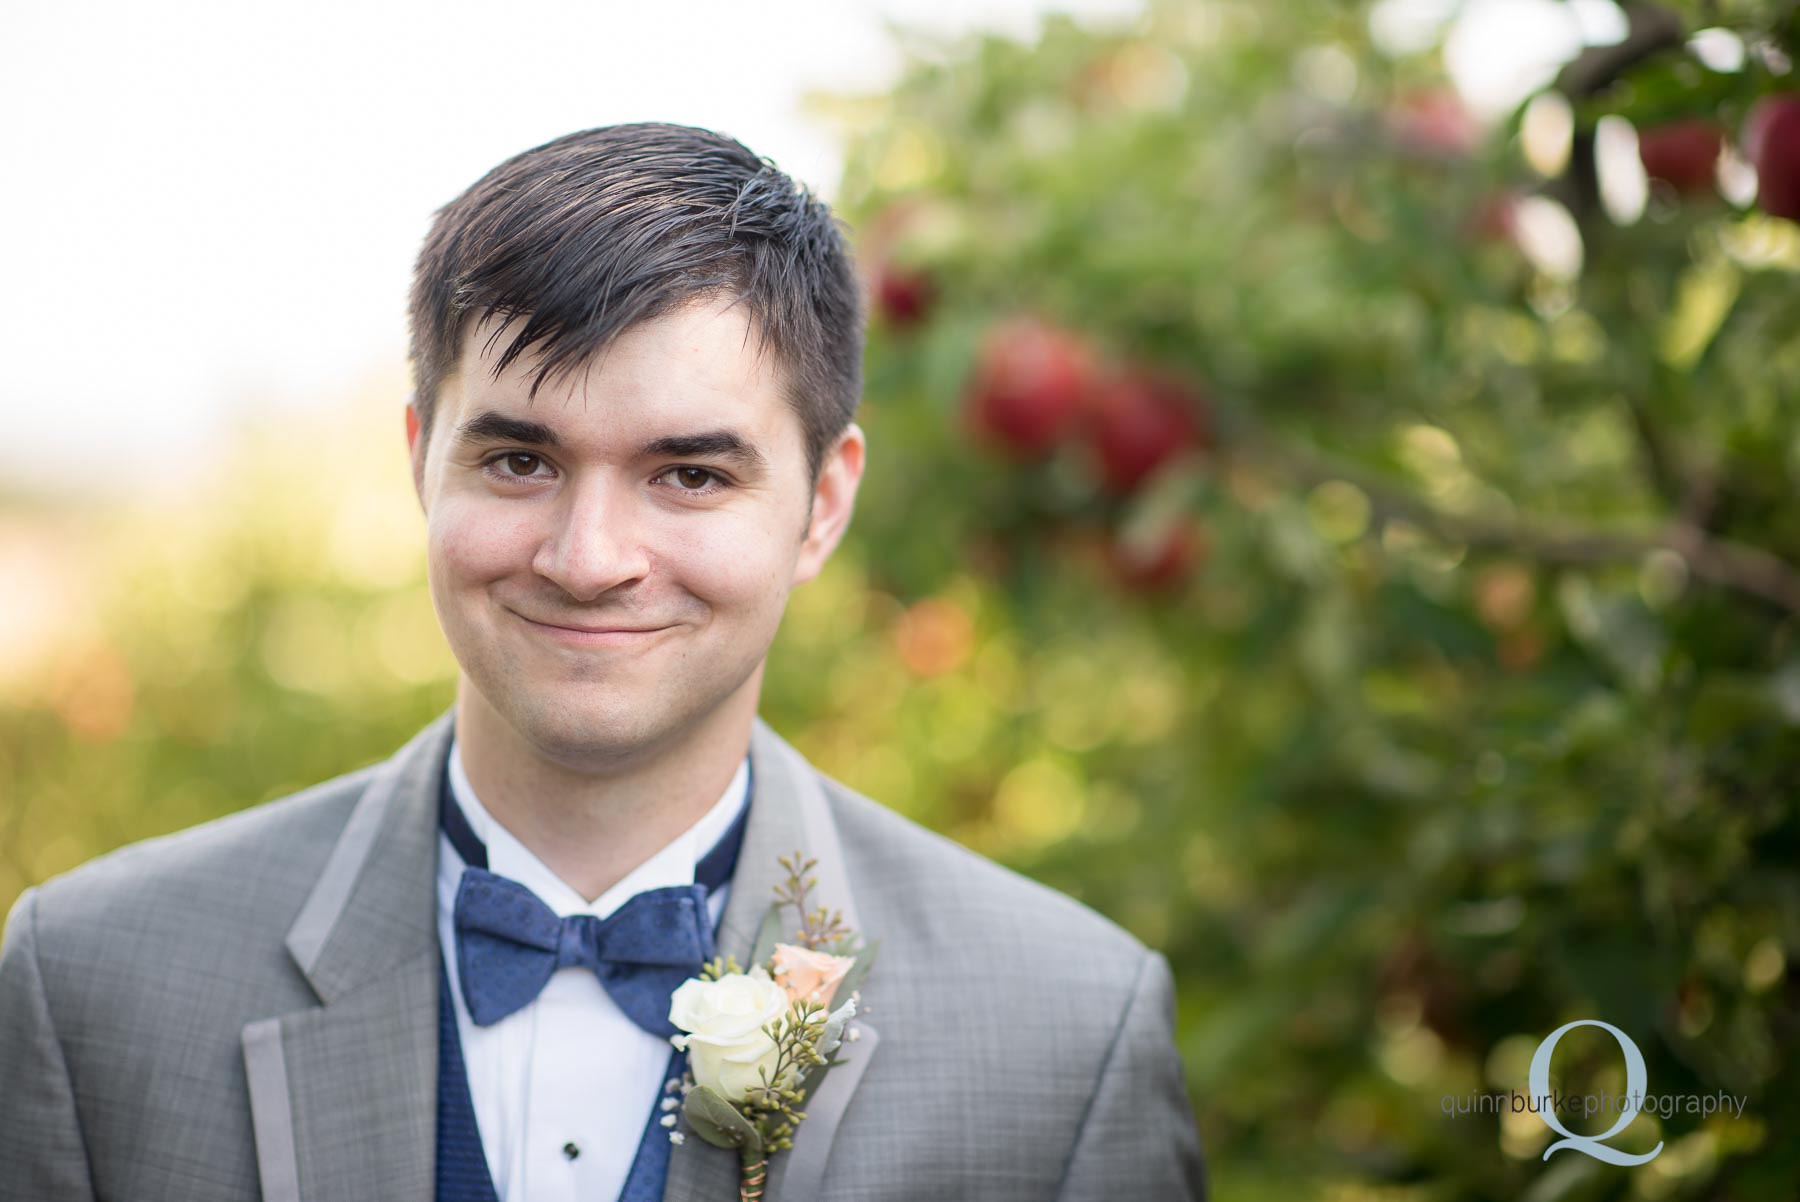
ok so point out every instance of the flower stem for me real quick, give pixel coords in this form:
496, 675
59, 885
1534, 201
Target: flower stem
751, 1179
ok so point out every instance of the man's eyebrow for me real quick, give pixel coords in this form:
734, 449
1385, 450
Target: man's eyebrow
498, 427
728, 445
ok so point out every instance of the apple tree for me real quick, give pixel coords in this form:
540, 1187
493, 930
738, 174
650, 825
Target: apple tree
1346, 534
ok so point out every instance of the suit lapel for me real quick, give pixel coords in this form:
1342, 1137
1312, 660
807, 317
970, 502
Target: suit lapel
788, 812
343, 1096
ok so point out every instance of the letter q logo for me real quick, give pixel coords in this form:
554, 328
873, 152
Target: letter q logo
1635, 1079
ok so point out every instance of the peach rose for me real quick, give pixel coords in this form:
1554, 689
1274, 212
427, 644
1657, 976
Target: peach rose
809, 975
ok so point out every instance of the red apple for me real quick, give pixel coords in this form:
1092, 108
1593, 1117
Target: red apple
1772, 144
1140, 418
1434, 121
1682, 153
1030, 382
1493, 219
903, 295
1164, 565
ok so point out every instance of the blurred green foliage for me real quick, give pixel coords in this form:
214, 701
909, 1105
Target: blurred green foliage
1481, 710
1471, 708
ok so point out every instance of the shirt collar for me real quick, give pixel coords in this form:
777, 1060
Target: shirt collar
672, 865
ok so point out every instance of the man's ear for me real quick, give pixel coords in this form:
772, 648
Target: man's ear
415, 447
833, 500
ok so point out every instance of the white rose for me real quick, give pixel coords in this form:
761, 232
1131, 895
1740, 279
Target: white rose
725, 1043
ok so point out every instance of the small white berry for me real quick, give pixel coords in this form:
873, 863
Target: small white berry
853, 1034
676, 1137
672, 1084
670, 1103
667, 1120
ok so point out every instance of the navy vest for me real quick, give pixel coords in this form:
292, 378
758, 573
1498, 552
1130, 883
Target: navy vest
462, 1170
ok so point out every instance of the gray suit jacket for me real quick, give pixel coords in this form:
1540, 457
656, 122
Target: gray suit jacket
252, 1004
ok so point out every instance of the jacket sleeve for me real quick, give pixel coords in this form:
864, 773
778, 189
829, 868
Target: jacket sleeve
42, 1154
1139, 1139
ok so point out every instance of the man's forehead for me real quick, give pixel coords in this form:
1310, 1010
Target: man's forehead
725, 333
688, 382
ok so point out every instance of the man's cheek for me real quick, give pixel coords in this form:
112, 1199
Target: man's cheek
464, 545
738, 572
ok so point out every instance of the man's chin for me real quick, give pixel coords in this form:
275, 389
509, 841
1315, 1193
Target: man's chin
590, 733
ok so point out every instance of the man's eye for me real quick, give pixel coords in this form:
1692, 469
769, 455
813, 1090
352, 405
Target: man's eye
504, 465
693, 481
686, 478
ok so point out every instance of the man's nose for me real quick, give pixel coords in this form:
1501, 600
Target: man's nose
596, 543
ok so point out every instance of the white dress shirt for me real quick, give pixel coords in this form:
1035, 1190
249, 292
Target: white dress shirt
569, 1070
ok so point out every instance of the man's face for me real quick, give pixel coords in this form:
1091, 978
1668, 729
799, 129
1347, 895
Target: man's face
660, 495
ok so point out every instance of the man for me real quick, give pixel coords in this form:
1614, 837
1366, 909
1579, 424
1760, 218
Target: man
637, 353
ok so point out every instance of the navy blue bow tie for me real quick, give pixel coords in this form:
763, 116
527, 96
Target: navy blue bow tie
508, 942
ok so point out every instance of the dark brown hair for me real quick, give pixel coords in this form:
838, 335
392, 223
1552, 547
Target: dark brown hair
592, 233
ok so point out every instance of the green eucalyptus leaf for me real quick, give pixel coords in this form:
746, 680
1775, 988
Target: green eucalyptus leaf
706, 1131
810, 1083
718, 1122
859, 972
767, 936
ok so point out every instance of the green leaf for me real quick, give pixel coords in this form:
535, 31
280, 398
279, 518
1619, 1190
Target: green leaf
718, 1122
865, 960
767, 936
810, 1083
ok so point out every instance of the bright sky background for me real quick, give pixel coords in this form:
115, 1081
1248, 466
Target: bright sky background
213, 208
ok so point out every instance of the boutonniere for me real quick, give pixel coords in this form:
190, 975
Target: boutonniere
759, 1042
